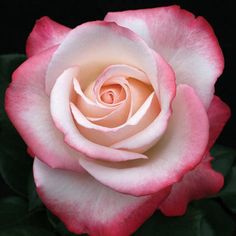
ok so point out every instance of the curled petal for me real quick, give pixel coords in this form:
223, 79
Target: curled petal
60, 110
165, 91
87, 206
187, 43
108, 136
87, 106
46, 34
181, 148
117, 45
28, 107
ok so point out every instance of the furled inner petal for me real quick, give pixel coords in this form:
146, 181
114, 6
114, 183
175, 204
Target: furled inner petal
112, 94
87, 106
154, 131
113, 97
181, 148
108, 136
121, 110
61, 96
125, 100
116, 45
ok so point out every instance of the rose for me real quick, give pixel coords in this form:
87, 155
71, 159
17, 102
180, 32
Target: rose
120, 117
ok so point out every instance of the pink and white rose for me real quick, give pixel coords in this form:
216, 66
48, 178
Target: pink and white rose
120, 116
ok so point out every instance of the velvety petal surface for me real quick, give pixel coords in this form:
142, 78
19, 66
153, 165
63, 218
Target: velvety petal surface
45, 34
86, 206
181, 148
201, 182
188, 44
28, 108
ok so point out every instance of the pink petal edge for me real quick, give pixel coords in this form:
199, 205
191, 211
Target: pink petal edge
201, 182
179, 151
87, 206
45, 34
27, 106
187, 43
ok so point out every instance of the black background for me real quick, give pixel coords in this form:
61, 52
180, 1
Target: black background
18, 17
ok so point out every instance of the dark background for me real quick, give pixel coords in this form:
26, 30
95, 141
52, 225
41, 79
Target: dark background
17, 19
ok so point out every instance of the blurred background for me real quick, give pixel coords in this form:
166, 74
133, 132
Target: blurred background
17, 18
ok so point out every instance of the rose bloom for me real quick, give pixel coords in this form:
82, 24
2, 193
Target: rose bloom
120, 116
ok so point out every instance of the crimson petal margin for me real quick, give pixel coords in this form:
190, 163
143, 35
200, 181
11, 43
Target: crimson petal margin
87, 206
181, 148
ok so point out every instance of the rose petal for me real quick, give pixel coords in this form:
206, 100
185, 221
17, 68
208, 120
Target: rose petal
187, 43
180, 150
117, 45
139, 93
27, 106
61, 114
218, 114
45, 34
165, 84
86, 206
108, 136
201, 182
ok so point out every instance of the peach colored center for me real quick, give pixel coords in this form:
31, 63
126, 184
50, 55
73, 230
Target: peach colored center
112, 94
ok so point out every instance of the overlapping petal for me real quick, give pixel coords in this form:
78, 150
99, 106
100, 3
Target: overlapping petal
117, 45
187, 43
60, 110
28, 107
87, 206
180, 150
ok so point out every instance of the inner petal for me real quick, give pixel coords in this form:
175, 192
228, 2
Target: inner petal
112, 94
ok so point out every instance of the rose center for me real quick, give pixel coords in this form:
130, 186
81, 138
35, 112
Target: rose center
112, 94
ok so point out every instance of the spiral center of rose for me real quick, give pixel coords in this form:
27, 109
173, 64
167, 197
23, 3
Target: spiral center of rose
112, 94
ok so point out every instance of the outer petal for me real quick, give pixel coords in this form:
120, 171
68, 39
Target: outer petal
201, 182
181, 148
86, 206
218, 114
27, 106
117, 45
46, 34
187, 43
